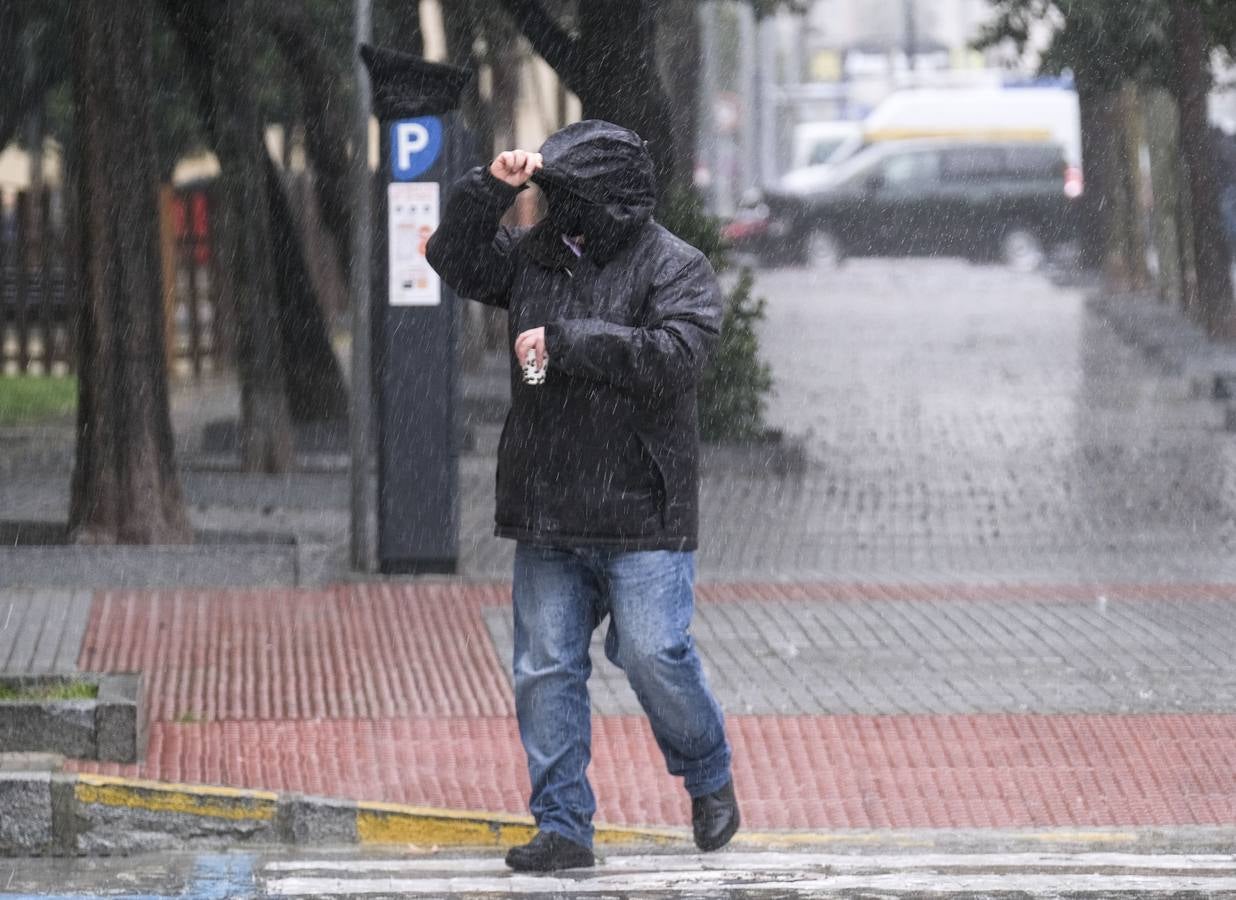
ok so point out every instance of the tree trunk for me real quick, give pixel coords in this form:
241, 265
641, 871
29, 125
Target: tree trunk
679, 52
1161, 124
1094, 166
1191, 84
405, 19
621, 83
306, 365
325, 116
1137, 226
125, 488
1107, 208
29, 72
463, 25
612, 67
248, 257
11, 73
315, 386
505, 60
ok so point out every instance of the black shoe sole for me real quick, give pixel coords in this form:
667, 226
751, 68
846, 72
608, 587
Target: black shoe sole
725, 837
519, 867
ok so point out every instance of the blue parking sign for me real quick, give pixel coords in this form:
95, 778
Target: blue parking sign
415, 146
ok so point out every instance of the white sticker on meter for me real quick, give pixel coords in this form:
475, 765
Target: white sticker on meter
412, 216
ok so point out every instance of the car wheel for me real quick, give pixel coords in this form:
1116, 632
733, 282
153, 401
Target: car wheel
823, 250
1021, 250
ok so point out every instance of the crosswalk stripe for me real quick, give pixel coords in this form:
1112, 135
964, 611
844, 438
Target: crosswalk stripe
789, 873
793, 861
644, 882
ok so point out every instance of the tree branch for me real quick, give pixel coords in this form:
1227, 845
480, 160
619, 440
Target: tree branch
549, 39
29, 74
326, 125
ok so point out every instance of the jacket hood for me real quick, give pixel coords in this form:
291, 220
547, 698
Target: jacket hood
608, 168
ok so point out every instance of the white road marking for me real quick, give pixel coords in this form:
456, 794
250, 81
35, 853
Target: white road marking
791, 861
494, 864
901, 881
789, 873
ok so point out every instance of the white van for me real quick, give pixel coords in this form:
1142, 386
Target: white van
1031, 114
987, 114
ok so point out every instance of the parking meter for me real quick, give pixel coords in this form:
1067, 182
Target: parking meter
414, 314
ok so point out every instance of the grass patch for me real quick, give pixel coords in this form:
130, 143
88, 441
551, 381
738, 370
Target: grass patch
57, 690
30, 399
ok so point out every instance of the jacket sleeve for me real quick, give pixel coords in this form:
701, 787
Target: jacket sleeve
665, 354
470, 250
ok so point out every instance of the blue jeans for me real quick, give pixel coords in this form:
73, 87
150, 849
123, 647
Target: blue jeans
560, 597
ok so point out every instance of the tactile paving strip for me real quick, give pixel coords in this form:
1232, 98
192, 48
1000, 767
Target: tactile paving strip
394, 692
792, 772
245, 654
349, 652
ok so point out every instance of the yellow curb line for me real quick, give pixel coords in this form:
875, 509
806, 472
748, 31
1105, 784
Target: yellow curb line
190, 799
397, 823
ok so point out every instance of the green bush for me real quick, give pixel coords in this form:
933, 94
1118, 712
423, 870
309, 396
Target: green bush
735, 386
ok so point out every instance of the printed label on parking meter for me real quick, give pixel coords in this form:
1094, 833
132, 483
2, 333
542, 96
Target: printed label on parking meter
412, 218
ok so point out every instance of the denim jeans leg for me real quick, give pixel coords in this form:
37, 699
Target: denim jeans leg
651, 596
555, 596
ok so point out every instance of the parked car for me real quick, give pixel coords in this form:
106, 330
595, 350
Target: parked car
1007, 201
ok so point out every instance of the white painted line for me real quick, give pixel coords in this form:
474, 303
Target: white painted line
440, 864
902, 861
782, 861
788, 873
523, 884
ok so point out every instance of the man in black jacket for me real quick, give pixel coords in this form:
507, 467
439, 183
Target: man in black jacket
597, 464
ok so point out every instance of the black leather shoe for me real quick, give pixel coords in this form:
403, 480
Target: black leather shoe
714, 818
549, 852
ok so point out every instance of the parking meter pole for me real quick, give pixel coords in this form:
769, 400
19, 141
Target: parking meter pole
361, 422
414, 315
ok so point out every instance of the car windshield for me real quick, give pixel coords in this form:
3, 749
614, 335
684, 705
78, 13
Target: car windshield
822, 151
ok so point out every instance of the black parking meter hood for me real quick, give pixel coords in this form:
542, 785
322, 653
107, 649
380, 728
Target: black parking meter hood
406, 86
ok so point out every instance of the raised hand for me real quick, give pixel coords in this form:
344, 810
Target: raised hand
515, 166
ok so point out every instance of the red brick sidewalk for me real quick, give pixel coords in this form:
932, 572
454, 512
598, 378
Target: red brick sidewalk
394, 692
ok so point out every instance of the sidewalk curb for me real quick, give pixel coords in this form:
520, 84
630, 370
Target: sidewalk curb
65, 814
79, 814
1164, 334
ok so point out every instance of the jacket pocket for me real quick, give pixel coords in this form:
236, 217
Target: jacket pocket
662, 487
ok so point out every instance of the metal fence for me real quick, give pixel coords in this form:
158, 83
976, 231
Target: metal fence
37, 311
35, 315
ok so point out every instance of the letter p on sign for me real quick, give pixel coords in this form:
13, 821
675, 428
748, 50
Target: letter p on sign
415, 146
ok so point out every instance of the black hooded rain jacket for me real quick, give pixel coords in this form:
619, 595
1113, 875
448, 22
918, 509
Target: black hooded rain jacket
606, 451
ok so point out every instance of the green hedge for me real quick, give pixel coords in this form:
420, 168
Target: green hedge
734, 390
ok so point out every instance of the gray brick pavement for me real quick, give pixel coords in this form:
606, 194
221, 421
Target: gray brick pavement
960, 423
41, 631
897, 657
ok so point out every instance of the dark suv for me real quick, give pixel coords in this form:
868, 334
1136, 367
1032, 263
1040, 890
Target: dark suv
1007, 201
